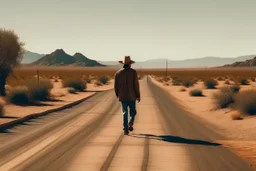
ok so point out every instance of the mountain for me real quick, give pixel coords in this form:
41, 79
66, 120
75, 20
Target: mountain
30, 57
246, 63
81, 60
187, 63
60, 58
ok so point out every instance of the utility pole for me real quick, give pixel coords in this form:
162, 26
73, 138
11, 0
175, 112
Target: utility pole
166, 72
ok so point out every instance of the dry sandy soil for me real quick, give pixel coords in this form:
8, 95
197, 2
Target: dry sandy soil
241, 134
61, 96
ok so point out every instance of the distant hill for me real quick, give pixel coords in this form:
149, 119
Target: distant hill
246, 63
30, 57
60, 58
82, 60
187, 63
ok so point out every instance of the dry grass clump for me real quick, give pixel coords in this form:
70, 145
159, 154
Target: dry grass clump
246, 102
183, 89
71, 90
210, 83
163, 79
188, 83
77, 84
227, 82
176, 81
243, 81
39, 90
2, 111
19, 95
220, 78
196, 92
88, 79
236, 115
235, 88
104, 79
224, 97
97, 83
166, 84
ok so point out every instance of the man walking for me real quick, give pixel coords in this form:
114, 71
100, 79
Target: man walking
128, 91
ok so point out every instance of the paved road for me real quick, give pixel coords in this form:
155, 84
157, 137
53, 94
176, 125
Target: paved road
89, 137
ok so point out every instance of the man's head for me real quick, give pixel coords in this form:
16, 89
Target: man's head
127, 61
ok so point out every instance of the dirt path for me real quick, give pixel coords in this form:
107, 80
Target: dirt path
165, 138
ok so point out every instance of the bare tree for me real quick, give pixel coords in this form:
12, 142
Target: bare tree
11, 54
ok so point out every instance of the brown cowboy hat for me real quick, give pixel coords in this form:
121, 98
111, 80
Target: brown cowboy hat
127, 60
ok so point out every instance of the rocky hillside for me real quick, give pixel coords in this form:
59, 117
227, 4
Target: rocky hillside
247, 63
60, 58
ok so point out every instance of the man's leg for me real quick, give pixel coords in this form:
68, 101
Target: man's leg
125, 114
133, 112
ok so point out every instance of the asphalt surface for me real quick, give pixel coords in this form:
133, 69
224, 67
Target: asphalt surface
89, 136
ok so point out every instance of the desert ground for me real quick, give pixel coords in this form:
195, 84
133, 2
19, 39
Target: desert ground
173, 130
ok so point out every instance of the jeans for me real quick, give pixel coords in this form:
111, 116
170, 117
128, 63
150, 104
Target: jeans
132, 109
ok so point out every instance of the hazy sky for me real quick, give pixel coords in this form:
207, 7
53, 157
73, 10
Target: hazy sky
144, 29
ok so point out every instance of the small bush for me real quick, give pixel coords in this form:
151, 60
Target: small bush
76, 84
224, 97
176, 82
220, 78
227, 82
235, 88
187, 83
88, 79
196, 92
40, 90
210, 83
183, 89
97, 83
243, 81
71, 90
2, 111
166, 84
19, 95
246, 102
103, 79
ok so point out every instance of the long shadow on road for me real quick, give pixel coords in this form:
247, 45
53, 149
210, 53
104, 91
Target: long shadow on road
175, 139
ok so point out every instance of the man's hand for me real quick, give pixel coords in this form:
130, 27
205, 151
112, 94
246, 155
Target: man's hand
138, 99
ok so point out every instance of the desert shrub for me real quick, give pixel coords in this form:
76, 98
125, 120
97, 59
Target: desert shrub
210, 83
88, 79
19, 95
220, 78
103, 79
188, 83
235, 88
176, 81
252, 79
76, 84
246, 102
166, 84
243, 81
97, 83
2, 111
196, 92
224, 97
183, 89
227, 82
71, 90
39, 90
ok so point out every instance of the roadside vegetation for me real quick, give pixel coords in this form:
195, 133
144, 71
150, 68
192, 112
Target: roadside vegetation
2, 111
77, 84
246, 102
196, 92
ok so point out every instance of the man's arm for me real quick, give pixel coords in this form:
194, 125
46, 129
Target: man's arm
116, 84
137, 86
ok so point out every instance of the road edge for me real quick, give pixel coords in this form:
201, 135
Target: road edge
10, 124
